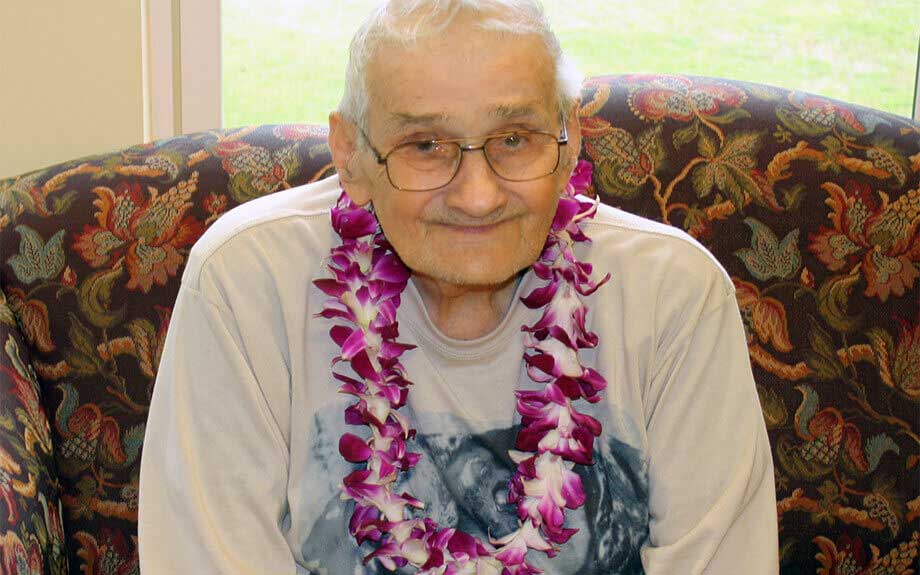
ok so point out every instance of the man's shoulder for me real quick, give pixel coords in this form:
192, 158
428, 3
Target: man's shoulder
276, 224
654, 251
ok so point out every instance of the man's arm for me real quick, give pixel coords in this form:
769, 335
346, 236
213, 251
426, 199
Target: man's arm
215, 466
712, 496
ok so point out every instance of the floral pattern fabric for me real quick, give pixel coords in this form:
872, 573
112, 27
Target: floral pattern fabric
812, 205
30, 504
93, 254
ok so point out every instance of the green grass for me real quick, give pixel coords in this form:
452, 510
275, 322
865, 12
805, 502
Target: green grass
284, 60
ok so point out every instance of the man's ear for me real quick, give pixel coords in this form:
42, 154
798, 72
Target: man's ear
343, 143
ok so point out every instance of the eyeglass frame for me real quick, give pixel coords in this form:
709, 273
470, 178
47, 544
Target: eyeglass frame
561, 140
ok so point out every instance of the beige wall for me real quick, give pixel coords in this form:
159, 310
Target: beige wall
70, 80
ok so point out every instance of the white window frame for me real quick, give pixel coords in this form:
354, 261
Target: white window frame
917, 85
181, 67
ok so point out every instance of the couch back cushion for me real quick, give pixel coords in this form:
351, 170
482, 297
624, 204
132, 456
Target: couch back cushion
93, 254
31, 529
812, 205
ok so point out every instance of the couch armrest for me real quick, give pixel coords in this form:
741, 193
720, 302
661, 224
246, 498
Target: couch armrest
31, 525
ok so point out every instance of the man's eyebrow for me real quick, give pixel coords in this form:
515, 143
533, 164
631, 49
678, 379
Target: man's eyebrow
401, 120
515, 111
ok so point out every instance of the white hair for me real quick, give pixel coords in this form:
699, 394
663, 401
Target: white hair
407, 21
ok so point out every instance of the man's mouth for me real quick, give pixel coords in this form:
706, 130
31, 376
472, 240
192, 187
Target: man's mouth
472, 229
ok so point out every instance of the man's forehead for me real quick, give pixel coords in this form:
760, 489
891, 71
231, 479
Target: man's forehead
398, 120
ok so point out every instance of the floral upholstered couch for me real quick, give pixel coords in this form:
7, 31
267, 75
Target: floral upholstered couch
812, 205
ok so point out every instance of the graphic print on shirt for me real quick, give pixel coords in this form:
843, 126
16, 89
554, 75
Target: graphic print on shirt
463, 479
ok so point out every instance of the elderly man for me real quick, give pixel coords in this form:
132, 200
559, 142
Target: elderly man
559, 417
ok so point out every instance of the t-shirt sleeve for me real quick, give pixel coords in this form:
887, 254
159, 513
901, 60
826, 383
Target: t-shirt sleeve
214, 467
712, 500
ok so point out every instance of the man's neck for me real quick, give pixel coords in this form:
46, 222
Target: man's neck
466, 312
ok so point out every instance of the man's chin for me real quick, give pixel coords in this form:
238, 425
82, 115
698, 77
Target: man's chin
471, 274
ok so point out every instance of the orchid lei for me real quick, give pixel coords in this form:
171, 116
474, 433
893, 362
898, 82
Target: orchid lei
365, 289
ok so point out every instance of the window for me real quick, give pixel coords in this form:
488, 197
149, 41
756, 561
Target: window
283, 60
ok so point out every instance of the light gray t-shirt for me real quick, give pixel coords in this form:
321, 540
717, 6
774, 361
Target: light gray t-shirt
240, 470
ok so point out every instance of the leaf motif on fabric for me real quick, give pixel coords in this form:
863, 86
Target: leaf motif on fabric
703, 180
730, 116
806, 410
822, 358
37, 260
814, 126
60, 204
707, 146
16, 198
871, 121
832, 152
771, 325
145, 340
792, 462
832, 248
766, 315
162, 216
94, 298
167, 162
686, 134
732, 169
26, 389
834, 301
67, 406
132, 440
256, 171
80, 364
111, 553
885, 156
740, 148
887, 275
768, 257
33, 318
882, 346
877, 446
11, 347
906, 364
827, 423
829, 492
910, 463
82, 359
6, 313
111, 438
852, 443
764, 92
624, 163
80, 336
96, 246
774, 410
847, 119
792, 197
19, 557
895, 226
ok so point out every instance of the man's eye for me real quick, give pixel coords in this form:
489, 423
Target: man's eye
428, 148
514, 141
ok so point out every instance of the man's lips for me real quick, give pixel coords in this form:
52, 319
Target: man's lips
472, 229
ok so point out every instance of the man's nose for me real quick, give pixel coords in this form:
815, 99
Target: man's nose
476, 190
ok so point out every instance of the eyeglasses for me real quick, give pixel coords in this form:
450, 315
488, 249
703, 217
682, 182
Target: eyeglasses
517, 156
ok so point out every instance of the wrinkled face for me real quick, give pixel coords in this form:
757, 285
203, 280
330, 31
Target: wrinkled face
479, 229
